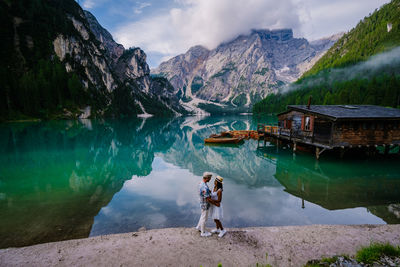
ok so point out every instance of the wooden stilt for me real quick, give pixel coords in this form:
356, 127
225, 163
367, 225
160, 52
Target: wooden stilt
387, 149
342, 152
316, 165
317, 153
294, 147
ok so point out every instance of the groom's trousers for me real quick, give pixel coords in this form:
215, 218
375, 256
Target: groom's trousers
202, 221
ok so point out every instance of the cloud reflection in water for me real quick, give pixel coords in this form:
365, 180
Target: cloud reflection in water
167, 197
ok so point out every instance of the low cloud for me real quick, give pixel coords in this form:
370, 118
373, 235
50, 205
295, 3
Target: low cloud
207, 23
211, 22
363, 70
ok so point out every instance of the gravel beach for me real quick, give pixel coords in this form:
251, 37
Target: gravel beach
285, 246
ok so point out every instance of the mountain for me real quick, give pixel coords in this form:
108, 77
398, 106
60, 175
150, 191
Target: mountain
362, 67
241, 72
59, 62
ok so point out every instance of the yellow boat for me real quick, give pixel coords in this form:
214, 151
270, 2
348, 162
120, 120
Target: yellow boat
223, 140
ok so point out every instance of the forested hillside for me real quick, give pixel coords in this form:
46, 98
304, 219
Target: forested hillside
28, 72
374, 34
382, 89
353, 71
56, 61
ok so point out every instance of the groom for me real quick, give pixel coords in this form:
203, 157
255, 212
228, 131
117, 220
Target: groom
205, 200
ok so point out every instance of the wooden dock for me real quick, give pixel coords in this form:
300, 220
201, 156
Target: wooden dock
343, 128
299, 140
246, 134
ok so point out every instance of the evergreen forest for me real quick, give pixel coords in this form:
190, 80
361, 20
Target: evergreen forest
34, 83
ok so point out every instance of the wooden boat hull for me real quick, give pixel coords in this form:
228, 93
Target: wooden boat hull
223, 140
223, 145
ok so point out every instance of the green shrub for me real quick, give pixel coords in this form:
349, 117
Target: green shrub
375, 251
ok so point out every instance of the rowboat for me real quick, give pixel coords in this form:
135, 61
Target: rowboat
223, 140
223, 145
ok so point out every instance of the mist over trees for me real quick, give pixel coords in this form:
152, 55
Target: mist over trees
381, 90
377, 33
363, 67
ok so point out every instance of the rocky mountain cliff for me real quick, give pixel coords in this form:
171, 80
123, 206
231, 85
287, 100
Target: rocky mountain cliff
239, 73
59, 62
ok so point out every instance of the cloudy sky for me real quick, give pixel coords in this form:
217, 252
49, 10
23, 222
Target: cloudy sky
165, 28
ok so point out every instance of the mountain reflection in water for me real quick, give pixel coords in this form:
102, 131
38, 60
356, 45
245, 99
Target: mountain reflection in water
72, 179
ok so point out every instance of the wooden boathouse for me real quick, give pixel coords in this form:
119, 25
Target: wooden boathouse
343, 127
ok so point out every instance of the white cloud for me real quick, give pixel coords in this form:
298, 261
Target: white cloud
205, 22
323, 18
211, 22
139, 9
88, 4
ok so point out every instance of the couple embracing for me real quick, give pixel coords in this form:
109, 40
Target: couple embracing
210, 204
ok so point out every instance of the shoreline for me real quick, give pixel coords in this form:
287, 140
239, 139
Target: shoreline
285, 246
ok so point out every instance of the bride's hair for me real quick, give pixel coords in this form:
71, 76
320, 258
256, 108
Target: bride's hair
219, 185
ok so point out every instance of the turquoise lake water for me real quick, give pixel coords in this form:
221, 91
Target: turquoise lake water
61, 180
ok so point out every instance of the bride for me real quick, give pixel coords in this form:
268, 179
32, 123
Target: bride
217, 212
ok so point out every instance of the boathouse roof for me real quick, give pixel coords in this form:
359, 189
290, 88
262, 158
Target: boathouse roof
341, 112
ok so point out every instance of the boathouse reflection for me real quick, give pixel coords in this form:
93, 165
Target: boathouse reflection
372, 184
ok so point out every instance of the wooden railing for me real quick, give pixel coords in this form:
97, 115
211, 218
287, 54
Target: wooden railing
285, 132
291, 133
271, 129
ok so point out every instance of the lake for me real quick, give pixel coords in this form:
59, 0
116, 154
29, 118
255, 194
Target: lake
62, 180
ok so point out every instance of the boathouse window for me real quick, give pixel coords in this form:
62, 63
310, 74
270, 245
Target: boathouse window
307, 123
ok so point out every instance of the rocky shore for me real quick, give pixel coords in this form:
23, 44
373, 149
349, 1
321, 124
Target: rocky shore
278, 246
342, 261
